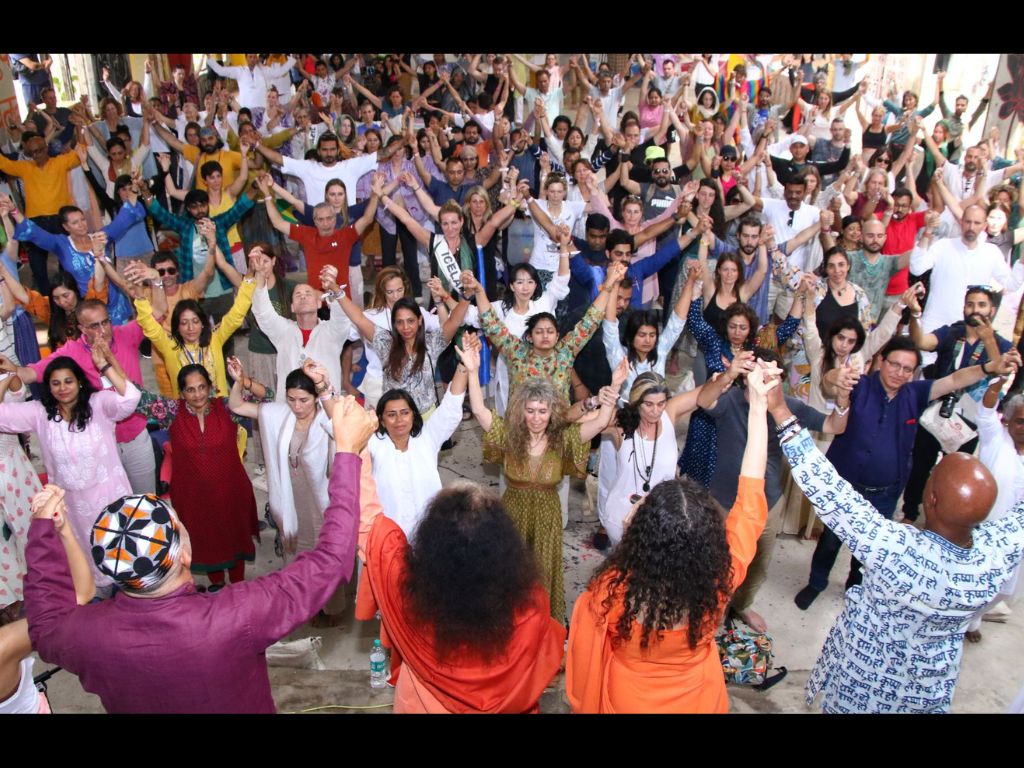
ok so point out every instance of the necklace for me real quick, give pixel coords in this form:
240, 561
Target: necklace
648, 470
840, 291
293, 458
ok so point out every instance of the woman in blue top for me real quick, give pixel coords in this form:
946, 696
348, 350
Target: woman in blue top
720, 345
74, 250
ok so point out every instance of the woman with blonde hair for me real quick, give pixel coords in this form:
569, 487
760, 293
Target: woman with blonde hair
536, 447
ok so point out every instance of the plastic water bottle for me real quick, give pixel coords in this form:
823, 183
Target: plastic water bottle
378, 666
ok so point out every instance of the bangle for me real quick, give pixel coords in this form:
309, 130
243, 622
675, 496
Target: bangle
268, 197
158, 283
785, 425
790, 432
106, 368
916, 315
983, 367
900, 306
842, 411
327, 394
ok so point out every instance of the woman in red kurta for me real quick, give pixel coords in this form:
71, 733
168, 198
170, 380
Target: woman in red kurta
642, 637
210, 490
468, 623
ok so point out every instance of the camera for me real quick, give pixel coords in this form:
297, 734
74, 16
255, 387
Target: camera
948, 404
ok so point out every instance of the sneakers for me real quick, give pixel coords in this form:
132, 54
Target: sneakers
805, 597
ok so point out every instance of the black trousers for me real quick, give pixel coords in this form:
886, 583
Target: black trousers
389, 254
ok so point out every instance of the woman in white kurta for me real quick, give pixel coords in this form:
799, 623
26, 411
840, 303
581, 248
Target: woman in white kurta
405, 450
524, 300
644, 438
298, 437
646, 350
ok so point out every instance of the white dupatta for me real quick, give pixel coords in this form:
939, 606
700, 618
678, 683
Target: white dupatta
277, 423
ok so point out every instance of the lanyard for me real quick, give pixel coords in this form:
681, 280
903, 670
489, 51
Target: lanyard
979, 347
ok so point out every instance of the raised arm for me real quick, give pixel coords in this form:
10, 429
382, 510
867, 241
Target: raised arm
276, 220
469, 356
422, 235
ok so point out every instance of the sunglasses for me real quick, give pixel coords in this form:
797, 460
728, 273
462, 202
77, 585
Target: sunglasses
167, 271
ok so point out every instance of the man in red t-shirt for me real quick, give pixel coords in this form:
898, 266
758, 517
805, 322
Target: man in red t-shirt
900, 235
322, 243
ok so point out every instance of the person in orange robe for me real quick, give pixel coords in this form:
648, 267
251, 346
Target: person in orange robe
642, 637
461, 608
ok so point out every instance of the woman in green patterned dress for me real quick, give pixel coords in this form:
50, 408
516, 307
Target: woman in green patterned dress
540, 353
536, 446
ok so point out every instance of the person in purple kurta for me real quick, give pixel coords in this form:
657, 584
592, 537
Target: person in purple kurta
159, 645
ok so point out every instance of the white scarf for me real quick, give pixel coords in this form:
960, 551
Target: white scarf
277, 423
448, 264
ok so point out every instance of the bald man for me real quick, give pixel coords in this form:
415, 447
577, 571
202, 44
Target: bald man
872, 270
896, 647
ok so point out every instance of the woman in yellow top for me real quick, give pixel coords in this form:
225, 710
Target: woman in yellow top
192, 338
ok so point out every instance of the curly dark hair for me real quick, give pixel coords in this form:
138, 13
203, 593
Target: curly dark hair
468, 572
81, 411
739, 309
672, 565
193, 305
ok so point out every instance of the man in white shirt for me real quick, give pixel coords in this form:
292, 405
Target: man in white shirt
550, 97
304, 337
790, 216
957, 263
253, 79
962, 181
314, 174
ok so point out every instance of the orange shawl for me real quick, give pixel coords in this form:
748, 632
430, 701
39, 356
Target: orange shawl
512, 683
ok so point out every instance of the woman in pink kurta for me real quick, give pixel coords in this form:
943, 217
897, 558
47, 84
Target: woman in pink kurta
80, 453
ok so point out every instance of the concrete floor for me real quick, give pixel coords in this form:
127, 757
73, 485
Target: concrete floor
987, 683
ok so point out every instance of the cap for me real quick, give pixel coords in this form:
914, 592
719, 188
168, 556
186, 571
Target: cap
653, 153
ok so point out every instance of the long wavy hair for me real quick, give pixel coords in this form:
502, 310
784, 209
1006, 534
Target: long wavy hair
81, 411
717, 210
535, 390
672, 566
730, 258
397, 356
385, 276
481, 192
468, 572
739, 309
63, 326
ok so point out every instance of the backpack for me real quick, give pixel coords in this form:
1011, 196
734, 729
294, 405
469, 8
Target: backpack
747, 656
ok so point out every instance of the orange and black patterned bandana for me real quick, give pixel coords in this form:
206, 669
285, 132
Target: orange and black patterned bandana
135, 541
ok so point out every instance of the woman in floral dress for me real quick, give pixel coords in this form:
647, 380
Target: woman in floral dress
540, 353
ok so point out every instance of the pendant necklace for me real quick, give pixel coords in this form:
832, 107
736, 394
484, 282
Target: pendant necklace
648, 471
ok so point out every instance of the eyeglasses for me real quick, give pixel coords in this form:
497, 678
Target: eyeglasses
98, 324
167, 271
987, 288
904, 369
729, 159
791, 215
661, 170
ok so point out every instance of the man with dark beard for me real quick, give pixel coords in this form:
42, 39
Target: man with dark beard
210, 148
959, 345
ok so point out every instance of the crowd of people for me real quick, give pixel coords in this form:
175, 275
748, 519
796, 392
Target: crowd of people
820, 310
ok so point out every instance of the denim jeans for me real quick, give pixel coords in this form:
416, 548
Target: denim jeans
884, 500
